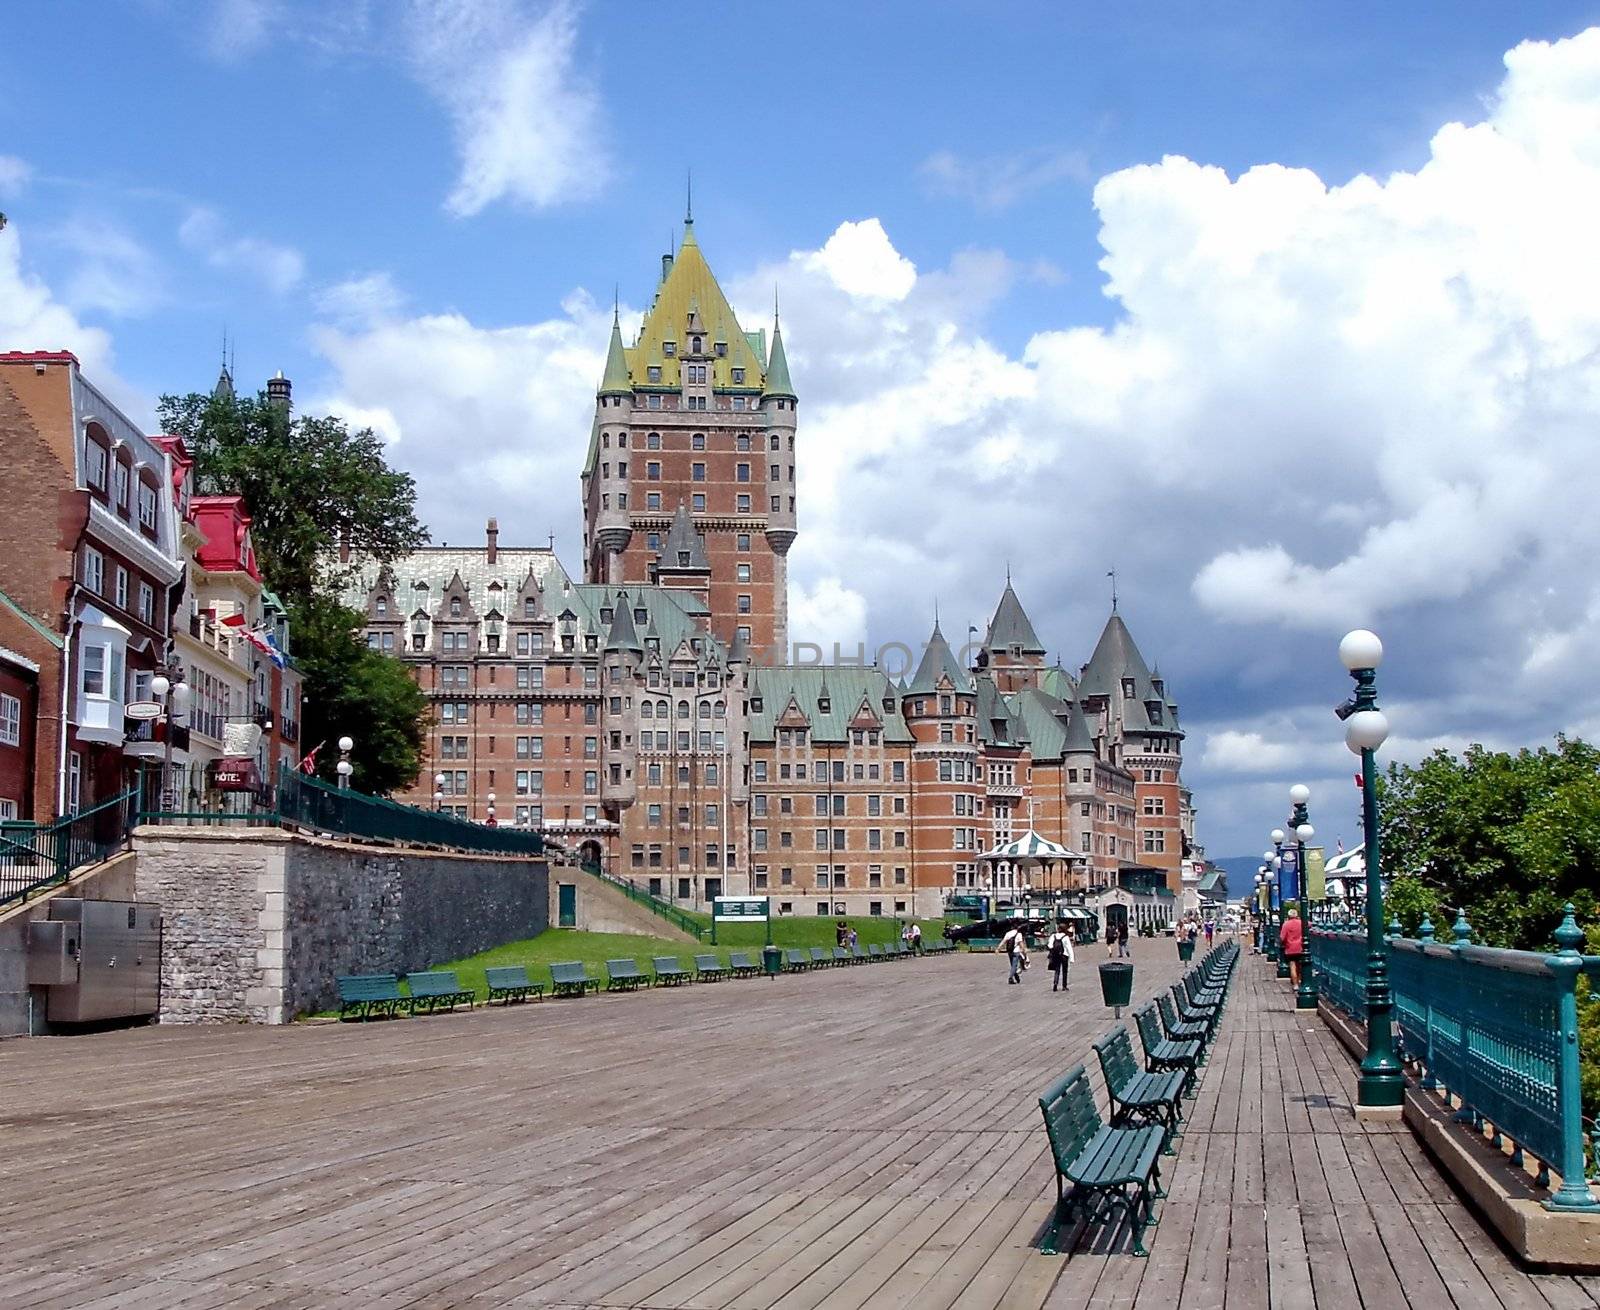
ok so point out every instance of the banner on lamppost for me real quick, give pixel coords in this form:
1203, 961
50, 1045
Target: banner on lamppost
1289, 876
1316, 876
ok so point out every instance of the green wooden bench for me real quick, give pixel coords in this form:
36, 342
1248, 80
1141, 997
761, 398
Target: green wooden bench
370, 996
796, 960
1180, 1029
436, 988
670, 971
983, 943
509, 983
742, 965
570, 978
1111, 1170
1195, 1011
1139, 1097
841, 956
708, 968
820, 959
625, 976
875, 952
857, 955
1161, 1053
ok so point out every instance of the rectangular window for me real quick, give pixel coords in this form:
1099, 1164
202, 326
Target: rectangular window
120, 594
10, 721
147, 507
1155, 841
94, 459
94, 570
698, 502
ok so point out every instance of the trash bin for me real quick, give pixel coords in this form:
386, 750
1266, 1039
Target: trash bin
1186, 949
1116, 983
771, 960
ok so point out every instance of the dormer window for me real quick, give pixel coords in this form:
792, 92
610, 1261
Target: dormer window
697, 346
639, 615
669, 348
94, 463
1127, 688
755, 704
381, 607
527, 607
824, 705
683, 559
1155, 711
653, 372
121, 497
607, 614
722, 351
738, 375
455, 607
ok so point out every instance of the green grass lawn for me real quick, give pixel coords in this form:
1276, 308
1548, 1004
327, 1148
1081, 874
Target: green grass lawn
595, 948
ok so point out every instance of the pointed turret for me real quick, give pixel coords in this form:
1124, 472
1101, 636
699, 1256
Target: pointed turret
938, 661
1011, 627
778, 384
224, 388
616, 381
623, 637
684, 550
1116, 660
739, 652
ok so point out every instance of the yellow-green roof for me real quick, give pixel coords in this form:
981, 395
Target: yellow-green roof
690, 286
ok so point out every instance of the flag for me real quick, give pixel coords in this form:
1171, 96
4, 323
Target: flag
273, 653
309, 764
233, 620
1341, 846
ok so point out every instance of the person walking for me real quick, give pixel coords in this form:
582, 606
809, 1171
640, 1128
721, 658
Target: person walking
1111, 939
1122, 941
851, 940
916, 937
1211, 928
1016, 948
1292, 937
1059, 957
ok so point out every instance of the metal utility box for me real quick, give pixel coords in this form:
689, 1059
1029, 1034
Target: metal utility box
107, 963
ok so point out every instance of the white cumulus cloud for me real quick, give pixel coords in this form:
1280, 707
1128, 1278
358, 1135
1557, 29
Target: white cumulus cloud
528, 125
277, 267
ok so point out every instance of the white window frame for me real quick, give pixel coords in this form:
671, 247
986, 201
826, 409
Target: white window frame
10, 720
94, 570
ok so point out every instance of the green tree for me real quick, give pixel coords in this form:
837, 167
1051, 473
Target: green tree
358, 693
1508, 838
1409, 899
309, 482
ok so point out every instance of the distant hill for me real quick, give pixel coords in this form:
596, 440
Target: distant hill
1238, 874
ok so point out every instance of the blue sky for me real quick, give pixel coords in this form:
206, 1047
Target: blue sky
419, 212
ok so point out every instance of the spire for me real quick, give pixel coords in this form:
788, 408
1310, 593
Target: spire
1011, 626
937, 662
616, 381
623, 636
688, 201
684, 550
778, 383
739, 652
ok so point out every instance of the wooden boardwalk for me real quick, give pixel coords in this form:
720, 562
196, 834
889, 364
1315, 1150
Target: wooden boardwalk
860, 1137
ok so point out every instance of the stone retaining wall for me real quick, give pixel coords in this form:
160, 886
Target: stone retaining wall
257, 922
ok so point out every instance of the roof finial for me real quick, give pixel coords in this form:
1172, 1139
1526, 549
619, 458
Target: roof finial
688, 207
774, 305
1008, 572
1112, 574
616, 304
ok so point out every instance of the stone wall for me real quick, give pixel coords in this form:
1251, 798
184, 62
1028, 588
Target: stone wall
258, 922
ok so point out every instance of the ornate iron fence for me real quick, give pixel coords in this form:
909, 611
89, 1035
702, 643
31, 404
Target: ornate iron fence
1493, 1031
37, 856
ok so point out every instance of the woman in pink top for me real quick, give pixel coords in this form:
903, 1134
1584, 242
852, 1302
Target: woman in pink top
1292, 937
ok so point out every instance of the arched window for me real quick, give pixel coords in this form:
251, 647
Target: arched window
683, 709
705, 709
721, 710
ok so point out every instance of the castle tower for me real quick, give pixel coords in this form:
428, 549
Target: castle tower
940, 707
701, 413
1012, 651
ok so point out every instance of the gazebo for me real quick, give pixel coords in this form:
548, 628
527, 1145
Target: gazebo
1029, 851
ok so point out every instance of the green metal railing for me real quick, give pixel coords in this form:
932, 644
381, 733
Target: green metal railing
1493, 1031
679, 918
38, 856
301, 801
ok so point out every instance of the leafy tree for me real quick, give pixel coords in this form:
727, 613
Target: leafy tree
1409, 899
309, 481
1509, 838
359, 693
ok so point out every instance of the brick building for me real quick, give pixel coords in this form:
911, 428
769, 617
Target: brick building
19, 709
645, 717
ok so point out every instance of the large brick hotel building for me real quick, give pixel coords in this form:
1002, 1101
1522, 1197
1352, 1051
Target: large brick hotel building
645, 715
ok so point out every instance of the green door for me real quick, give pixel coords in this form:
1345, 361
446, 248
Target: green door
567, 905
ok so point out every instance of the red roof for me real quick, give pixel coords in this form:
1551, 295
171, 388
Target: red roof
37, 357
225, 524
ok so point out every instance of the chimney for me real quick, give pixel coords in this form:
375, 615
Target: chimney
344, 546
492, 532
278, 389
666, 266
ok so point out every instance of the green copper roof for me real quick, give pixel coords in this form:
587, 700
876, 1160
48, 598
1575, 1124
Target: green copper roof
849, 692
1011, 626
937, 661
33, 621
778, 383
623, 635
616, 381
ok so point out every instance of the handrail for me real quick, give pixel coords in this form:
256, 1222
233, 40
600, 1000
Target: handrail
1493, 1031
36, 856
671, 913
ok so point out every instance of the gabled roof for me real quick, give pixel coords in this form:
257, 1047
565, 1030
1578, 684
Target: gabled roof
690, 286
1010, 626
937, 661
684, 550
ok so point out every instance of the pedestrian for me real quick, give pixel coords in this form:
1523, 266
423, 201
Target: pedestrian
1292, 937
1016, 948
841, 933
851, 941
1111, 939
1211, 927
1059, 957
1122, 941
915, 932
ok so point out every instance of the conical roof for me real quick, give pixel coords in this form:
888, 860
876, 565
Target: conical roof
778, 383
684, 550
1115, 658
1010, 626
224, 388
616, 381
623, 635
937, 660
739, 652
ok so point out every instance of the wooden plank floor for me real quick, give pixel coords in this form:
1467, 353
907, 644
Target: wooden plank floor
860, 1137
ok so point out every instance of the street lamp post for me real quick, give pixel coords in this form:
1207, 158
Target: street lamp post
1260, 907
173, 693
1381, 1084
490, 819
344, 768
1278, 837
1305, 997
1269, 869
438, 792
